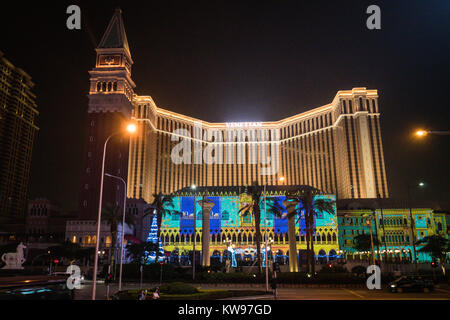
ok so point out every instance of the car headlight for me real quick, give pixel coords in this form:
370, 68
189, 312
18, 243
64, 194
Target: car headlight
393, 285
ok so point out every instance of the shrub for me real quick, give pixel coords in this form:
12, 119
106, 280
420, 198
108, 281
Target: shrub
177, 288
333, 269
359, 270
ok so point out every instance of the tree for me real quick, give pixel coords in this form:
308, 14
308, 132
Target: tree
163, 205
362, 242
437, 247
70, 251
138, 251
253, 209
113, 215
305, 198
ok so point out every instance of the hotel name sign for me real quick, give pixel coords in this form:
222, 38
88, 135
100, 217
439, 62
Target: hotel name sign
243, 124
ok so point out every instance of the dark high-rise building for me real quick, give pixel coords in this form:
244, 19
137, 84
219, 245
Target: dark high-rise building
17, 131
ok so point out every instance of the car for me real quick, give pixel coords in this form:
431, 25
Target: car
80, 277
410, 284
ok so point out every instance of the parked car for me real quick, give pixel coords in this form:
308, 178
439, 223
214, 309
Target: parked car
411, 283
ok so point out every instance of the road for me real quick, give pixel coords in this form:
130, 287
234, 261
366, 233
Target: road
84, 293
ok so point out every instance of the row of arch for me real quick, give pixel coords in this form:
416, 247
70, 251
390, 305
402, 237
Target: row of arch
245, 237
106, 86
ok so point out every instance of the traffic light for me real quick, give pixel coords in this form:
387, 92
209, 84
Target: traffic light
433, 264
56, 261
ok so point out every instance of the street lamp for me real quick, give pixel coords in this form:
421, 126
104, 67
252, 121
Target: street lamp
130, 128
423, 133
265, 234
193, 187
123, 225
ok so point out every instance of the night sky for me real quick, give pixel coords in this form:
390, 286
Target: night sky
243, 61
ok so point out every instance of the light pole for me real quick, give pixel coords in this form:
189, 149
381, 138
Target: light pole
423, 133
369, 223
413, 233
123, 225
265, 238
131, 128
193, 187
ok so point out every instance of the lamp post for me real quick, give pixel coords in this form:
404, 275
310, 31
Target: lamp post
131, 128
265, 238
123, 225
193, 187
413, 236
423, 133
369, 223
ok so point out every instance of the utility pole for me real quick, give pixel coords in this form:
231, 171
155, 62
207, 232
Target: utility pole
413, 237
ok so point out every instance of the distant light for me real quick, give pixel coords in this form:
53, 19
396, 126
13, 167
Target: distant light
193, 187
421, 133
131, 128
281, 179
421, 184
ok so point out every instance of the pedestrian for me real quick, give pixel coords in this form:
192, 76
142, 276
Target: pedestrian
156, 294
141, 295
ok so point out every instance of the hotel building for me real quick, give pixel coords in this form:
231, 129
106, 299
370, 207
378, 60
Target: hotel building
18, 113
336, 148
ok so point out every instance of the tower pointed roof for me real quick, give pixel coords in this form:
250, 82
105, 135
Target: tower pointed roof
115, 36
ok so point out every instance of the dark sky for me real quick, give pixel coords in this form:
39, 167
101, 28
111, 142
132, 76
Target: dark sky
243, 61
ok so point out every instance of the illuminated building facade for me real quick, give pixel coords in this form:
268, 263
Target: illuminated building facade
227, 226
336, 148
18, 112
393, 230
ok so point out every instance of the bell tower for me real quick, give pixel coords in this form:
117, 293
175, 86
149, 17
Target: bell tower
111, 87
109, 110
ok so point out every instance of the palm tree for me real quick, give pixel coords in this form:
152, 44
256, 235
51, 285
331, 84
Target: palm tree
162, 204
253, 209
305, 196
437, 247
113, 215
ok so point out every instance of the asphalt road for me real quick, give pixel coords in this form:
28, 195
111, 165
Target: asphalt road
84, 293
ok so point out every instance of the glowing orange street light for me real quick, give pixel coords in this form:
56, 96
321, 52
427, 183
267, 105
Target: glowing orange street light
130, 129
421, 133
281, 179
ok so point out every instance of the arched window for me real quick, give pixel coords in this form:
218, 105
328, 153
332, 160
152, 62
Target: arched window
177, 238
99, 86
109, 86
323, 237
171, 238
329, 237
108, 241
103, 86
197, 239
334, 237
115, 86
